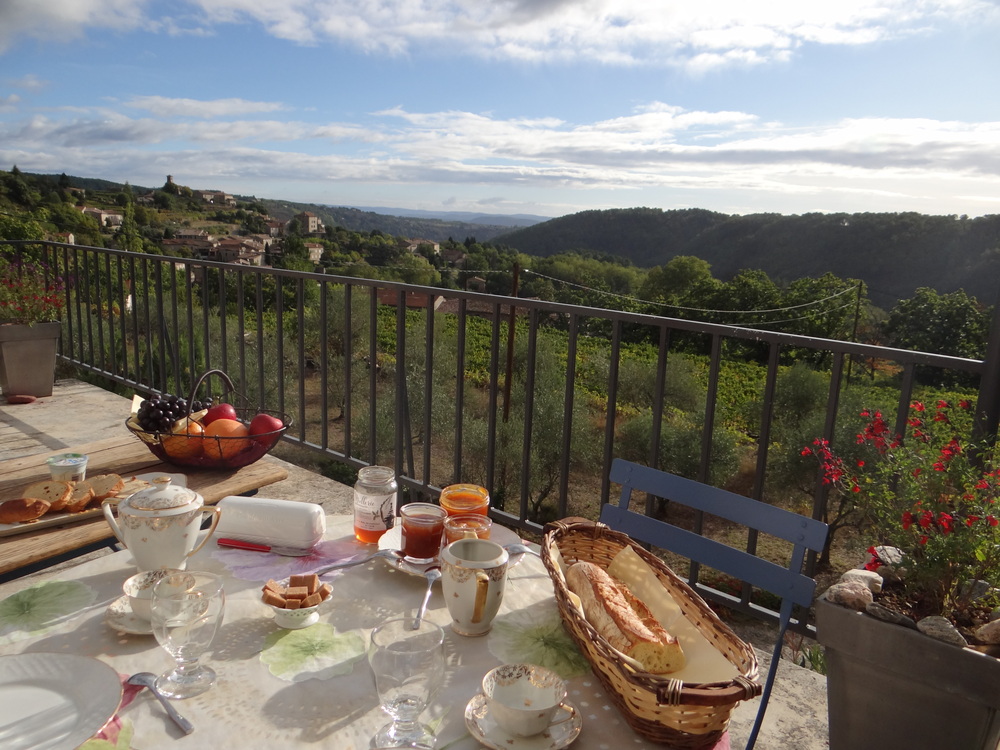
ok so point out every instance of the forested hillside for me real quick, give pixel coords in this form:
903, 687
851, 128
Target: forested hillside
893, 254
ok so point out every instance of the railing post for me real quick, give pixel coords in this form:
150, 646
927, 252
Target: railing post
987, 418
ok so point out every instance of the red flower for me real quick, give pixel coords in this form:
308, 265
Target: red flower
917, 406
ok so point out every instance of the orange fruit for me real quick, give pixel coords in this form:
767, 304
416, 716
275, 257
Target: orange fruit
184, 442
229, 431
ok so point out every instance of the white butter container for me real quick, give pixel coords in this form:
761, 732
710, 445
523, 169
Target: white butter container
265, 521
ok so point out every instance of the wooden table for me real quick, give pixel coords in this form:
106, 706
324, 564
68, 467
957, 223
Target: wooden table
124, 455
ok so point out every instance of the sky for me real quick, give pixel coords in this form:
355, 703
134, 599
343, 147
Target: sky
544, 107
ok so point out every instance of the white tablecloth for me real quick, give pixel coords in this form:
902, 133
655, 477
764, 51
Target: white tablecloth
304, 688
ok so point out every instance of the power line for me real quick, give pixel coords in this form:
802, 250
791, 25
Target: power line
850, 290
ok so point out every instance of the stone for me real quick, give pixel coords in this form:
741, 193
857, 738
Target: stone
989, 633
890, 555
941, 629
853, 595
974, 590
995, 615
881, 612
869, 578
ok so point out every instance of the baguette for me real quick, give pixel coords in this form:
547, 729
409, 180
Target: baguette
624, 621
23, 509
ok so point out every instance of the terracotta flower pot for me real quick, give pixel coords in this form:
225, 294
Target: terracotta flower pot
28, 358
892, 687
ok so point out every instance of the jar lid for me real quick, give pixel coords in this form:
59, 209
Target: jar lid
67, 459
163, 495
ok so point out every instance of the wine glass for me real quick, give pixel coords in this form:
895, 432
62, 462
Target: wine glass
186, 611
408, 664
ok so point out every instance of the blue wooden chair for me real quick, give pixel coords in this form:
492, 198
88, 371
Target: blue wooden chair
789, 583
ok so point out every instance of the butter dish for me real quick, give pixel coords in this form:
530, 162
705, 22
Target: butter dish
271, 522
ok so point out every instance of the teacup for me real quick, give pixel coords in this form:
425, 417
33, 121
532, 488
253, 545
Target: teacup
139, 590
473, 579
523, 698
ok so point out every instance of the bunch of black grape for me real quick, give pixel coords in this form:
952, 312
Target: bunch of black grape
158, 413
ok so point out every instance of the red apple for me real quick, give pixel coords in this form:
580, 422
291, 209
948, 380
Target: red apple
219, 411
263, 424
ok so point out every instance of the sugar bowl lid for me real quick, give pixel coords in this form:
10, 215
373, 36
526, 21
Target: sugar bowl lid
162, 495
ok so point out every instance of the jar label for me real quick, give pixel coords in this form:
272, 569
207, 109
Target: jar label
374, 512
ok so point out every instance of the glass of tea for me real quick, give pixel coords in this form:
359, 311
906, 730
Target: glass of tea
466, 526
422, 529
462, 499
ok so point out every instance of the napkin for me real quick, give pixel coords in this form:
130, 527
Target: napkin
268, 521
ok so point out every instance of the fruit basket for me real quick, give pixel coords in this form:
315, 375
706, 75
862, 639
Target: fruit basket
203, 435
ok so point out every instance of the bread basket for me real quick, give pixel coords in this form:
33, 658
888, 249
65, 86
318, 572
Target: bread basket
685, 716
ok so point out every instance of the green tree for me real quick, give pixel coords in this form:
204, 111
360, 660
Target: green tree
954, 324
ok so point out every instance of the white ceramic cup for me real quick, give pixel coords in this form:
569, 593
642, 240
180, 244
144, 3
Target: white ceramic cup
473, 578
523, 698
139, 590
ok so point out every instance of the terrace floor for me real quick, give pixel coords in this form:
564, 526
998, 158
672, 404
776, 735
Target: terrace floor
78, 412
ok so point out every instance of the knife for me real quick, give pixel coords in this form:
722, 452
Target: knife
254, 547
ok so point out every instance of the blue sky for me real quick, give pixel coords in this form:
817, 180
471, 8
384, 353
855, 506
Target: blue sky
516, 106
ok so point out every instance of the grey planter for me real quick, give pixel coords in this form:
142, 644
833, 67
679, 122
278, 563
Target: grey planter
28, 358
890, 687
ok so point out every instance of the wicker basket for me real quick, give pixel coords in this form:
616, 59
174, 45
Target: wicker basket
229, 452
683, 715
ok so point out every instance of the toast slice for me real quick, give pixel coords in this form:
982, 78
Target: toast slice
56, 494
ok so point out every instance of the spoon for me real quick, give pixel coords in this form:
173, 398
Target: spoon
519, 549
432, 573
391, 553
148, 679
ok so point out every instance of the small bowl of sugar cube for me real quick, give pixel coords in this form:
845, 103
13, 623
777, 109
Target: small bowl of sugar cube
296, 601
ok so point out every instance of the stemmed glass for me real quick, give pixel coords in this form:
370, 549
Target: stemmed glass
186, 612
408, 663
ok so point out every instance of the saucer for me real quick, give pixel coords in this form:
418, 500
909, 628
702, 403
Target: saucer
393, 539
119, 616
481, 725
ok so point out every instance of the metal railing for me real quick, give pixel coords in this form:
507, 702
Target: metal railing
438, 382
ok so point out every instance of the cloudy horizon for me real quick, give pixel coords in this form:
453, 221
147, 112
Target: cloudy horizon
544, 107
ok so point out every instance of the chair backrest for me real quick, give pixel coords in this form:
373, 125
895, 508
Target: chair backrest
787, 582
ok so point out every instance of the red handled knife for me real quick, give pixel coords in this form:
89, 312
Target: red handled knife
254, 547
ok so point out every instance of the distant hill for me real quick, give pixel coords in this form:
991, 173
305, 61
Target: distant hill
360, 220
893, 253
467, 217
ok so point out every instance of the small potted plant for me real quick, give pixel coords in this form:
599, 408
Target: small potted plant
31, 302
928, 501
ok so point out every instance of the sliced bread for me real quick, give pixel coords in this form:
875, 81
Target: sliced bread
56, 494
104, 485
82, 496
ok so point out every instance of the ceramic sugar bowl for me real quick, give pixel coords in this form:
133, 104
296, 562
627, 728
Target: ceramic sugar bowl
159, 525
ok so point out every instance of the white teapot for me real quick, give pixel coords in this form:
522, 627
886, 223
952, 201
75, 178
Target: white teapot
159, 525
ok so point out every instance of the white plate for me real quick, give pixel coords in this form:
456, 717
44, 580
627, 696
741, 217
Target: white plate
50, 701
119, 616
61, 518
486, 731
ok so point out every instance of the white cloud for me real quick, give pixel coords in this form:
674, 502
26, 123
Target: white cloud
699, 35
162, 106
59, 20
